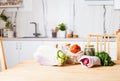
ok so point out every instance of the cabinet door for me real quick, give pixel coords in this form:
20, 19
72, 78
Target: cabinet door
28, 48
113, 50
11, 52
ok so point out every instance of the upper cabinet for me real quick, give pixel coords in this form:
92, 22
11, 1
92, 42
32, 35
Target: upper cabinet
117, 4
99, 2
10, 3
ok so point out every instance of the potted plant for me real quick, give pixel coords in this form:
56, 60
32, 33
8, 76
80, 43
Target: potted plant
8, 24
62, 30
54, 32
62, 27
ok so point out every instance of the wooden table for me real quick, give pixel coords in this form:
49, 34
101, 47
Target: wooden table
32, 71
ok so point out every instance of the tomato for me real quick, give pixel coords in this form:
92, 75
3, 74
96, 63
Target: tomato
75, 48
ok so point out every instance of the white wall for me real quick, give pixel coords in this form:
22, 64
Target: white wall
27, 15
88, 19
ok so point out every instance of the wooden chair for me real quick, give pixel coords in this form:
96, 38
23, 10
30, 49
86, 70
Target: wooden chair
103, 41
2, 56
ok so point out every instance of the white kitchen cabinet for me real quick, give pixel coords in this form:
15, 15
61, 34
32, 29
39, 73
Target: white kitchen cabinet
116, 4
11, 52
28, 48
18, 51
113, 50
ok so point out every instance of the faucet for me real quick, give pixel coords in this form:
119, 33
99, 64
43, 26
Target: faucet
35, 34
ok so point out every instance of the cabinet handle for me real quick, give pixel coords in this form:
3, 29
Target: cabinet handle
20, 46
16, 46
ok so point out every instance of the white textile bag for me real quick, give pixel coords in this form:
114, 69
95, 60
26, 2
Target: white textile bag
46, 55
92, 61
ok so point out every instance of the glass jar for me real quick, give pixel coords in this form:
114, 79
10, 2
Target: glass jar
89, 50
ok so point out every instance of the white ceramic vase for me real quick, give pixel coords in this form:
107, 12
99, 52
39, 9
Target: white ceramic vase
61, 34
2, 24
10, 33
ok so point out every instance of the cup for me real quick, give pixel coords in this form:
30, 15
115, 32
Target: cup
54, 34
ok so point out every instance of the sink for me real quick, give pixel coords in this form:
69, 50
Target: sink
33, 37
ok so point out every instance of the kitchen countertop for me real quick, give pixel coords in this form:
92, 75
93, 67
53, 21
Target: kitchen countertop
44, 39
51, 39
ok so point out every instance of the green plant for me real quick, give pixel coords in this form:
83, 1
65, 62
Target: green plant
105, 58
62, 27
9, 25
6, 19
3, 16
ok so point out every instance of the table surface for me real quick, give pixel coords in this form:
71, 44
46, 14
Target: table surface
30, 70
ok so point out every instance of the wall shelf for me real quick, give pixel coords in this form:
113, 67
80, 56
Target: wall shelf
11, 3
11, 6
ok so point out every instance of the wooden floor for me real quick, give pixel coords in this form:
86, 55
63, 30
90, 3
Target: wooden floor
32, 71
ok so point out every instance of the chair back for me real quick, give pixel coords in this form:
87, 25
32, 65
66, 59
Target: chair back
103, 42
2, 56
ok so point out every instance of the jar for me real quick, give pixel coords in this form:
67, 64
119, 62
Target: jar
118, 32
89, 50
70, 34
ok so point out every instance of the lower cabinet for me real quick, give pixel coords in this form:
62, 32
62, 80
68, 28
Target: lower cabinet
18, 51
113, 50
28, 48
11, 52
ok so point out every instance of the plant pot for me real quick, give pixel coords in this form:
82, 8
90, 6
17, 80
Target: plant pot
2, 24
54, 34
10, 33
61, 34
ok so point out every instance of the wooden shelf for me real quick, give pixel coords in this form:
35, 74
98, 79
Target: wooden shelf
10, 6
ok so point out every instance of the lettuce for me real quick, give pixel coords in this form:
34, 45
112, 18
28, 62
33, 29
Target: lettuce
105, 58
